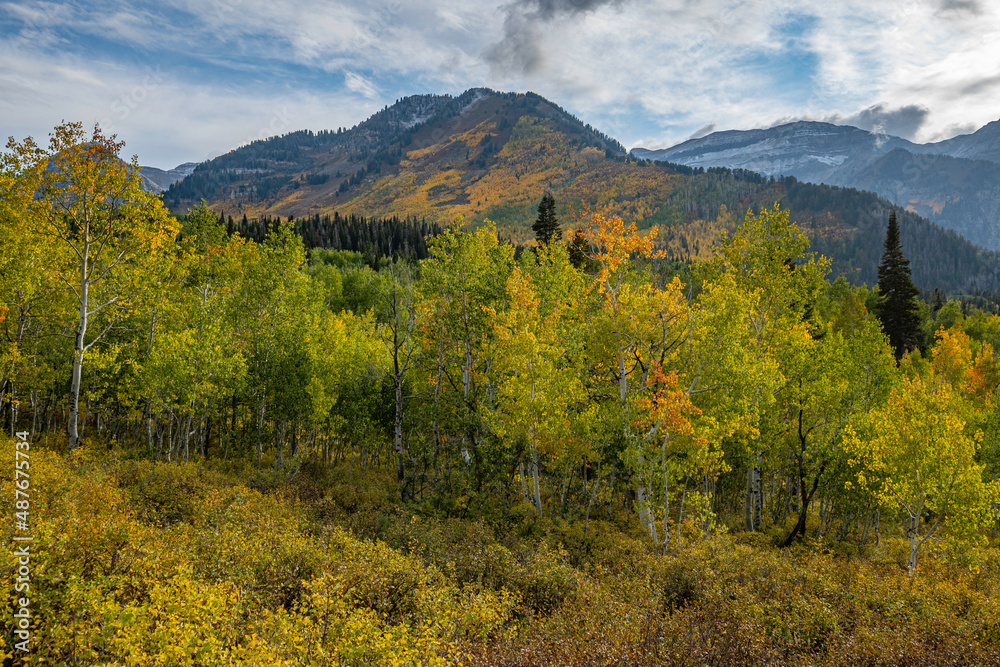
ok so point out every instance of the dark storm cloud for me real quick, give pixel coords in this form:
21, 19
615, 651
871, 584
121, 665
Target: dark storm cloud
902, 122
518, 51
704, 130
548, 9
966, 6
982, 85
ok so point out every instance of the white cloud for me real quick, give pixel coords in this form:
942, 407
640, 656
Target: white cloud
359, 84
658, 71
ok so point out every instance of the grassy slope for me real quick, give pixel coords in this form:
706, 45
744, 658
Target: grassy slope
133, 560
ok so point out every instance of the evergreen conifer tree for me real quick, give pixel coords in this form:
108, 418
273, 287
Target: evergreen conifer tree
579, 248
897, 307
546, 226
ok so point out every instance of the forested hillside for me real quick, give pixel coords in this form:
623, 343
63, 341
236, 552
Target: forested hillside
240, 451
491, 156
954, 183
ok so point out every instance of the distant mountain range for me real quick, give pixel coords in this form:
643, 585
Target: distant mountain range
955, 183
157, 180
488, 155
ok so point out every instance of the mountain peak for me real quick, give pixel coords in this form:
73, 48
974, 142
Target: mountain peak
438, 141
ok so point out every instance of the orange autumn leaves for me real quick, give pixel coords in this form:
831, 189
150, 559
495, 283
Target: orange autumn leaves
613, 241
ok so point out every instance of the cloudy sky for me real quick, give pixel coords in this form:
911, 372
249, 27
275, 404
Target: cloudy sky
185, 80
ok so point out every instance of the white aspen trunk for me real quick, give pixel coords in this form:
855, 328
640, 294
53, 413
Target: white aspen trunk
912, 564
279, 445
34, 412
534, 476
708, 487
666, 492
758, 496
645, 513
437, 426
622, 380
398, 432
187, 437
680, 514
534, 452
79, 347
260, 429
52, 414
159, 446
149, 427
748, 503
170, 437
822, 516
466, 390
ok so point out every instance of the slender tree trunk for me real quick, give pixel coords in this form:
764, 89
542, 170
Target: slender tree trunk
536, 490
680, 514
645, 515
35, 418
279, 445
824, 510
79, 348
148, 414
567, 475
436, 425
52, 412
758, 491
260, 432
187, 437
869, 518
208, 436
170, 437
664, 468
806, 498
754, 496
912, 534
398, 423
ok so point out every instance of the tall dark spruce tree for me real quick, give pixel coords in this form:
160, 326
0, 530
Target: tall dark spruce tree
579, 249
546, 226
897, 304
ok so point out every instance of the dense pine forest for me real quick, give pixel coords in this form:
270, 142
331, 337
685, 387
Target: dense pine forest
378, 441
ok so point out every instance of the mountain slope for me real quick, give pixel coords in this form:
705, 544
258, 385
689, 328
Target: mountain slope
940, 181
423, 155
817, 152
158, 180
983, 144
486, 155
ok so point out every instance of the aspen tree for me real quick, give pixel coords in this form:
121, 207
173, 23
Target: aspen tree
92, 206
